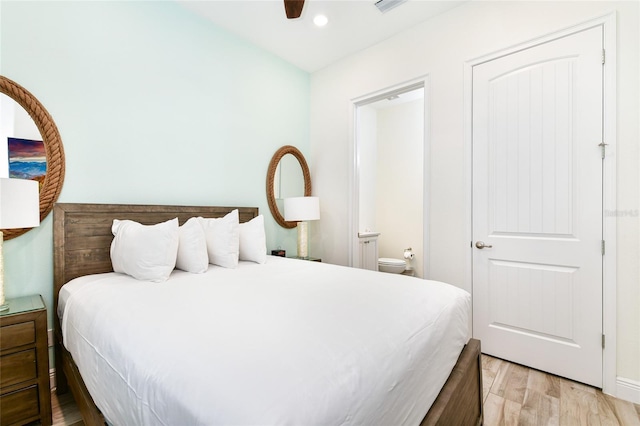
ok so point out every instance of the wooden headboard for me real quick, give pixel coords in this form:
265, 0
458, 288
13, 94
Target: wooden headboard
81, 246
82, 233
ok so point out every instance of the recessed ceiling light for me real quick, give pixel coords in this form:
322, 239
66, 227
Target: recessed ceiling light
320, 20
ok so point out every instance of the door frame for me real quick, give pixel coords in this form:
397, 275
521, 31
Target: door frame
354, 166
609, 283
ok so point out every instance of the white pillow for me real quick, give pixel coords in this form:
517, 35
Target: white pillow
192, 249
146, 252
253, 243
223, 239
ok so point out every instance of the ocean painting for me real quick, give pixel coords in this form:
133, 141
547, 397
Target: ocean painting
27, 159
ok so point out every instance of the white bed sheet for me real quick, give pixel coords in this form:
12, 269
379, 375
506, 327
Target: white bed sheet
286, 342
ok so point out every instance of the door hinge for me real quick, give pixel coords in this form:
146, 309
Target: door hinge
603, 341
603, 148
602, 247
603, 57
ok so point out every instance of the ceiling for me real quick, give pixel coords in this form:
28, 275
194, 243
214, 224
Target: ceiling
353, 25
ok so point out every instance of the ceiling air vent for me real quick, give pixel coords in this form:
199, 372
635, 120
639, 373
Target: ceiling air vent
386, 5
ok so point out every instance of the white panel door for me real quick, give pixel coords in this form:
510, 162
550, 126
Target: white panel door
537, 206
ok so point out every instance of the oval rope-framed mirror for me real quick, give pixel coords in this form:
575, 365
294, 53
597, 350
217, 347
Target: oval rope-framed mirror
54, 177
271, 172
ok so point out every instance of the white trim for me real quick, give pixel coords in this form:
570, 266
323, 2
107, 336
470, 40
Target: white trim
354, 183
467, 122
609, 228
609, 308
628, 389
389, 91
52, 378
426, 182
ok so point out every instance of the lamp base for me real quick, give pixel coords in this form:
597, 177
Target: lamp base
3, 306
303, 247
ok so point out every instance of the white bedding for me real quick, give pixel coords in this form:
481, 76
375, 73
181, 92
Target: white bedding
286, 342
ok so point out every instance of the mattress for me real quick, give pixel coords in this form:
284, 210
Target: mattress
286, 342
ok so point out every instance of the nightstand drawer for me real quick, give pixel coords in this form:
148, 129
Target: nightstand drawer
19, 405
25, 397
18, 368
16, 335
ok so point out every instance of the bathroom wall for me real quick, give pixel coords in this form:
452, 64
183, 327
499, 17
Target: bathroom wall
400, 178
390, 139
368, 151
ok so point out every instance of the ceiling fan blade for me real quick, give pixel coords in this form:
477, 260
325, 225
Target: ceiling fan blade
293, 8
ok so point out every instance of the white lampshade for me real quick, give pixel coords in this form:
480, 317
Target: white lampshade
298, 209
19, 208
19, 203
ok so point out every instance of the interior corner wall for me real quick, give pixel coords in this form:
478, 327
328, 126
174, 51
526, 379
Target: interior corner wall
154, 105
439, 48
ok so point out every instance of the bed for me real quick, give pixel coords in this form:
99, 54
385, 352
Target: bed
401, 386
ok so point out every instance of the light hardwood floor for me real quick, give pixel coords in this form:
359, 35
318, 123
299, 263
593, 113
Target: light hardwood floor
65, 411
517, 395
513, 395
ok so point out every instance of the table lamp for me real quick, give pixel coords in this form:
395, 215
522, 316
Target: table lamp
19, 208
302, 210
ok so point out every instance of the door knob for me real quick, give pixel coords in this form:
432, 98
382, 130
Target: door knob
481, 245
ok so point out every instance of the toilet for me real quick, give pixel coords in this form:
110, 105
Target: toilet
394, 266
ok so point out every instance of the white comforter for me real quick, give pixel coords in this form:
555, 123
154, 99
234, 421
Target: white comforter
287, 342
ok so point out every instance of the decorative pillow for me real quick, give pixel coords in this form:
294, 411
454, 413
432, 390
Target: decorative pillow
146, 252
253, 243
223, 239
192, 248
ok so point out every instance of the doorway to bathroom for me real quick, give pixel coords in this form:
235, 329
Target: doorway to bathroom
388, 205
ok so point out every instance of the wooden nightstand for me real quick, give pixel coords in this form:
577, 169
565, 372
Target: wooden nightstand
24, 362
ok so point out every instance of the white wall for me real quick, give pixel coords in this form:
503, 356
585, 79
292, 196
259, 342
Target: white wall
439, 48
399, 198
367, 129
154, 105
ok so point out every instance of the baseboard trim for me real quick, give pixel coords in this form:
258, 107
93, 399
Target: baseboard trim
52, 378
628, 389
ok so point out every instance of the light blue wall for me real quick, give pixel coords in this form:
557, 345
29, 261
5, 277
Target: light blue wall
154, 106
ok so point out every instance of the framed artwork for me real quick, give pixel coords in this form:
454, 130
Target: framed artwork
27, 159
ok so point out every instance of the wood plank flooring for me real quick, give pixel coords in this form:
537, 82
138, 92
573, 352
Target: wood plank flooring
517, 395
513, 395
65, 411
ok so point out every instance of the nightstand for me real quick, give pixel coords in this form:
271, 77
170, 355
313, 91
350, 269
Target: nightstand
312, 259
24, 362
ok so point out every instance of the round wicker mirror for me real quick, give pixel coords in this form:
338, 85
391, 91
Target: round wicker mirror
52, 185
271, 172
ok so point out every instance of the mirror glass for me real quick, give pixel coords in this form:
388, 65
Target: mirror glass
288, 181
22, 153
287, 176
30, 146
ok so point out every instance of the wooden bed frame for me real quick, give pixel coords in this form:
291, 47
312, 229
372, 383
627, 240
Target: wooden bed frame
82, 239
